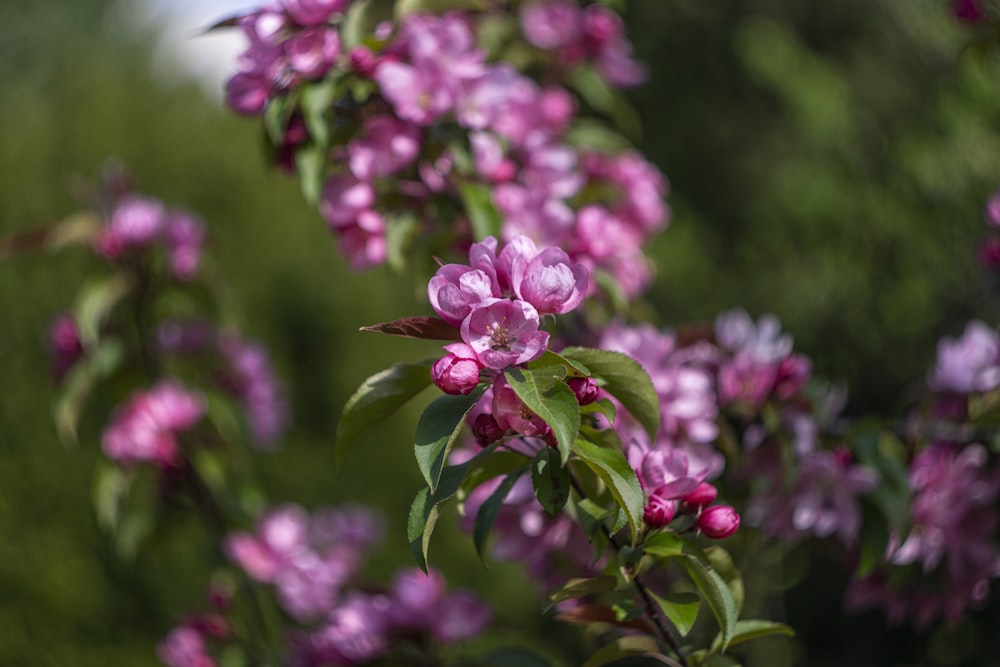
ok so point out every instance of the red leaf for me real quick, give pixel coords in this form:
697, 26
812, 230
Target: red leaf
596, 613
429, 328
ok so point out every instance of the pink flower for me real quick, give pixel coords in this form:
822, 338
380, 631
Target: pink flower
311, 52
458, 371
135, 222
385, 146
761, 342
510, 412
967, 364
355, 633
456, 289
247, 93
585, 389
504, 333
551, 24
184, 238
992, 212
344, 198
461, 616
705, 494
145, 428
184, 647
551, 283
313, 12
252, 379
718, 522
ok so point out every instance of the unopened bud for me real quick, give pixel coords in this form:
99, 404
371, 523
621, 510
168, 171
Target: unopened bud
702, 496
586, 390
455, 375
659, 510
718, 522
486, 429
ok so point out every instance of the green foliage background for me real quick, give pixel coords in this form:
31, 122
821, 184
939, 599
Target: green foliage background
828, 162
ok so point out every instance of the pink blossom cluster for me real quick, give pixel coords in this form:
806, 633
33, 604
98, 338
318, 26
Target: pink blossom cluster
589, 34
136, 224
443, 118
946, 563
966, 365
313, 562
291, 41
146, 428
497, 302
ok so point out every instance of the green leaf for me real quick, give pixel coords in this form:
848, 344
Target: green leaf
626, 380
597, 136
550, 358
716, 594
748, 630
605, 99
378, 397
664, 544
609, 464
110, 490
490, 510
577, 588
545, 394
680, 608
94, 303
720, 561
104, 360
358, 23
310, 163
483, 215
437, 430
276, 117
591, 517
494, 465
551, 480
603, 406
316, 103
404, 7
425, 508
632, 645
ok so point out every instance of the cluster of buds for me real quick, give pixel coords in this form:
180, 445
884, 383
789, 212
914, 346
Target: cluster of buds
673, 493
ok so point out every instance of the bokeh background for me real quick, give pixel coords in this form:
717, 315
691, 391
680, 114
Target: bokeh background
828, 162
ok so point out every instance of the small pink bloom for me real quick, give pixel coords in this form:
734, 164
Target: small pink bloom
486, 429
65, 348
551, 24
247, 93
456, 289
551, 282
312, 51
504, 333
461, 616
458, 371
992, 212
385, 146
145, 429
184, 647
184, 236
718, 522
344, 198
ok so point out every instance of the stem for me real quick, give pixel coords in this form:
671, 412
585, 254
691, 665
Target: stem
661, 623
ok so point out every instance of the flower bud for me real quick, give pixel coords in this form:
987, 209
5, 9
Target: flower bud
703, 495
458, 371
586, 390
718, 522
659, 510
486, 429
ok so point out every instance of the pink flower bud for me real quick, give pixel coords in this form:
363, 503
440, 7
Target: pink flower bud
989, 253
362, 60
704, 495
718, 522
659, 510
458, 371
586, 390
246, 93
486, 429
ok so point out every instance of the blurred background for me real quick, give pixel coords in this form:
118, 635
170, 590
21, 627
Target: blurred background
829, 163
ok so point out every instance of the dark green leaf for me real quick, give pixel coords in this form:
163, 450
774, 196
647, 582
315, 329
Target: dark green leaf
428, 328
316, 103
748, 630
483, 215
545, 394
550, 358
605, 99
715, 593
494, 465
664, 544
425, 508
551, 480
609, 464
632, 645
602, 406
577, 588
104, 360
591, 516
624, 379
720, 561
490, 510
276, 117
437, 430
680, 608
378, 397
